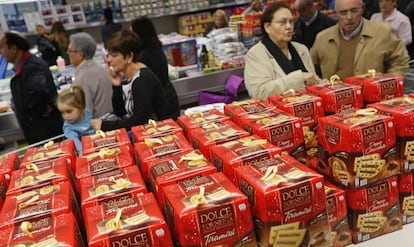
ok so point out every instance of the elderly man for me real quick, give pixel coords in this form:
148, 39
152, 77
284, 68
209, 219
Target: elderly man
355, 45
310, 22
92, 77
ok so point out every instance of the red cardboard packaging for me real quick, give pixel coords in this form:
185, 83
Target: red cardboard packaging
240, 108
155, 129
8, 163
108, 139
406, 192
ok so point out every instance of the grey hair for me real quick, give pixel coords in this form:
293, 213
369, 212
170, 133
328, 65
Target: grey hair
84, 43
360, 1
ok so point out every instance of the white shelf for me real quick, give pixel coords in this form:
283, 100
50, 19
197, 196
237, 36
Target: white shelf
401, 238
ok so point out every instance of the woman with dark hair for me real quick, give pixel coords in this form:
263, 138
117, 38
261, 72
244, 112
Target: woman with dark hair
153, 56
277, 64
141, 96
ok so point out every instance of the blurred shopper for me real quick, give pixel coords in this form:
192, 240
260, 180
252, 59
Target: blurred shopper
71, 104
276, 64
399, 22
154, 58
141, 96
355, 45
92, 76
110, 26
220, 20
61, 37
48, 48
256, 6
33, 90
310, 22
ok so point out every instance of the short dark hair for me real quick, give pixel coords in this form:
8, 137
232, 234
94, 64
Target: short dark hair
108, 13
17, 39
145, 29
269, 11
125, 42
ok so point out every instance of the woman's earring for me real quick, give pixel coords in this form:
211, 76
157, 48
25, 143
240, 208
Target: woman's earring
129, 61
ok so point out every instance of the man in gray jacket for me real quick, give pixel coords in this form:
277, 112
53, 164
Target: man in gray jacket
91, 76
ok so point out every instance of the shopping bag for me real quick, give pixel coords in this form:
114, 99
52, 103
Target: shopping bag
227, 96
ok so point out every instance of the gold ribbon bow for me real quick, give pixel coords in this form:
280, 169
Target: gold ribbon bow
25, 227
106, 152
366, 112
250, 142
334, 79
371, 73
48, 145
289, 92
32, 166
115, 223
210, 126
196, 114
151, 141
199, 198
244, 102
100, 133
28, 202
120, 183
191, 157
270, 174
152, 122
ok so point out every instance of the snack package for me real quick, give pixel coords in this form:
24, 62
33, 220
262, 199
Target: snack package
108, 187
308, 108
197, 119
250, 150
155, 129
240, 108
211, 134
172, 169
402, 109
107, 159
8, 163
280, 129
157, 148
108, 139
338, 97
209, 211
358, 149
378, 86
295, 196
374, 210
61, 230
137, 221
52, 151
406, 192
337, 215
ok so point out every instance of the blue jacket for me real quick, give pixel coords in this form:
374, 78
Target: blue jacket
76, 130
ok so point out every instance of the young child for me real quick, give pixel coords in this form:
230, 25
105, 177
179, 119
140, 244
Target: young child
71, 104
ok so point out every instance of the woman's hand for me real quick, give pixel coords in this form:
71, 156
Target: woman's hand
311, 79
115, 77
96, 123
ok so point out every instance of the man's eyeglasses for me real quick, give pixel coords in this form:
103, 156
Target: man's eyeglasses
69, 51
284, 22
353, 11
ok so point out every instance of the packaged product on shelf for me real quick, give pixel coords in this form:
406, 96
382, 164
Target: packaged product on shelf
108, 139
338, 97
109, 187
196, 119
337, 215
51, 151
406, 192
173, 169
8, 163
402, 109
280, 129
251, 150
240, 108
180, 50
211, 134
378, 86
155, 129
136, 222
358, 149
209, 211
288, 203
305, 106
374, 210
157, 148
61, 230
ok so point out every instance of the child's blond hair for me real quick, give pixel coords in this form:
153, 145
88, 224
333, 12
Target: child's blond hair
73, 96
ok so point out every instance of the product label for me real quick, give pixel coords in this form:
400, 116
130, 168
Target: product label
344, 99
135, 238
306, 112
282, 136
333, 134
388, 88
378, 197
374, 138
296, 202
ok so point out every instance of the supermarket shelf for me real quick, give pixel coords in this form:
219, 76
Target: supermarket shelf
401, 238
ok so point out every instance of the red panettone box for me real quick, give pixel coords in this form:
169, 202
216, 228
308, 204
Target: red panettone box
402, 109
61, 230
51, 151
107, 159
111, 186
280, 129
288, 203
38, 175
338, 97
378, 86
45, 201
133, 222
193, 120
406, 192
374, 210
251, 150
108, 139
8, 163
180, 167
358, 149
209, 211
337, 215
157, 148
240, 108
211, 134
155, 129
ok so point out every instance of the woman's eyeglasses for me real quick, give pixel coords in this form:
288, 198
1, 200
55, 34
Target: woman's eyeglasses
284, 22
